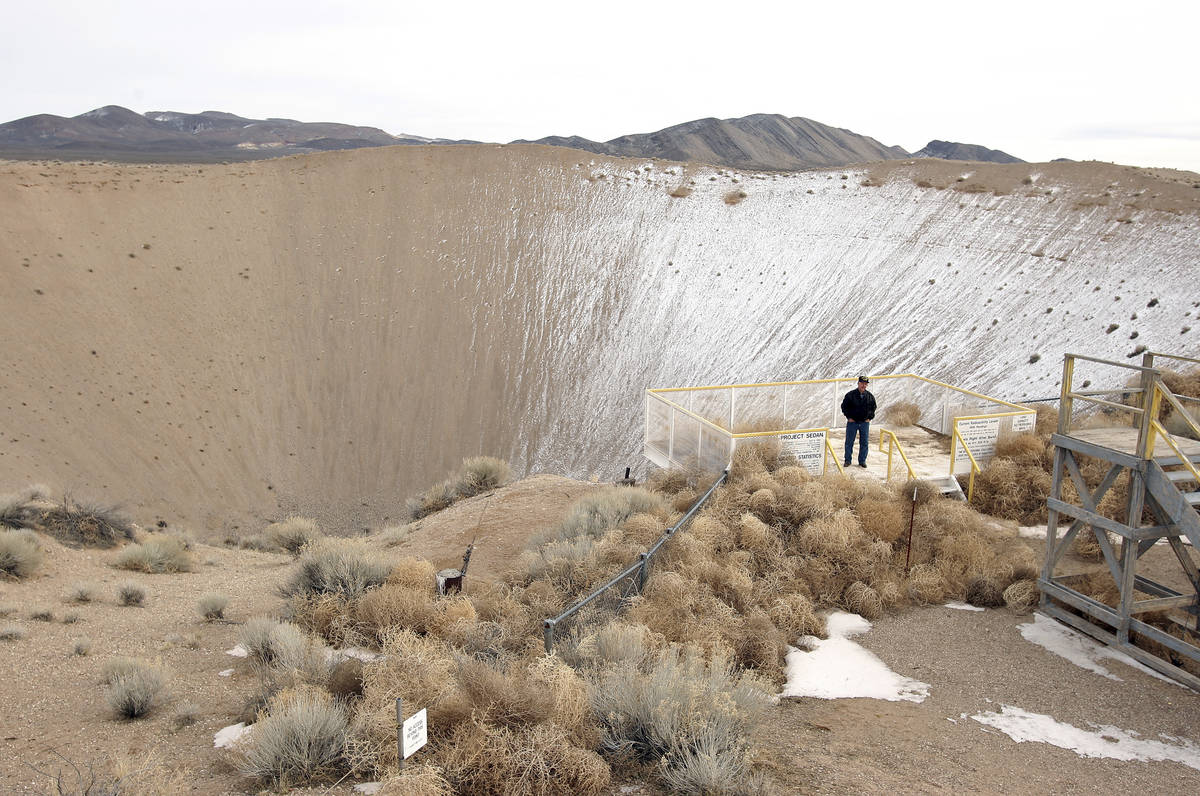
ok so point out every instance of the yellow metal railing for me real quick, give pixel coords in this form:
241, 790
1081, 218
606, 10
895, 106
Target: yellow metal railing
974, 464
894, 443
832, 454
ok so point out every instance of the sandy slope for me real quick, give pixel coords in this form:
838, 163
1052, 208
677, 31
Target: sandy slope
220, 345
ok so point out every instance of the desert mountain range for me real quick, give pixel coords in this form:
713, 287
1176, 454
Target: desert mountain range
760, 141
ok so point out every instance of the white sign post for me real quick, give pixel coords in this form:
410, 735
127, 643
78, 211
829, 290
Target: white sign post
808, 447
411, 733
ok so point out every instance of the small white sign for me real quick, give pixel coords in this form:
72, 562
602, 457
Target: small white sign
808, 447
1024, 422
980, 436
415, 733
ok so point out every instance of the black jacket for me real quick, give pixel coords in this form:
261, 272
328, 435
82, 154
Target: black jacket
858, 407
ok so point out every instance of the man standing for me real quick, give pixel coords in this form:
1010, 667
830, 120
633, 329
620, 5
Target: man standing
859, 408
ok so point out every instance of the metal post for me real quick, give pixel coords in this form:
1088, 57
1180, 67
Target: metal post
644, 572
1064, 401
911, 517
400, 732
548, 630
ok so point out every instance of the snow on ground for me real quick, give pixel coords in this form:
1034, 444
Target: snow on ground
1103, 741
368, 788
838, 668
225, 673
1078, 648
1032, 531
238, 652
962, 606
226, 737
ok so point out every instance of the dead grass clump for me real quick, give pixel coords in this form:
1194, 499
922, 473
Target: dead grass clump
1013, 489
130, 593
423, 778
735, 197
795, 615
861, 599
761, 646
762, 502
1022, 596
1027, 448
598, 512
395, 606
434, 499
1086, 545
12, 632
159, 553
643, 530
83, 593
346, 679
902, 414
792, 475
20, 553
302, 739
85, 525
926, 585
883, 519
337, 566
293, 534
984, 592
135, 688
680, 192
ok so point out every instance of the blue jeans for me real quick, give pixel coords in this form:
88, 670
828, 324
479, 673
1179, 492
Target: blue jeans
863, 432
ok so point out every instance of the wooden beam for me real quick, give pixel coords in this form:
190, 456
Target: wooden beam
1098, 451
1089, 517
1162, 603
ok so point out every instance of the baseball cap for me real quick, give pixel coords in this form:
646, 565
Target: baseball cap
865, 379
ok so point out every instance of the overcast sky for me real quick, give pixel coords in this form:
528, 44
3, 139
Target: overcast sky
1040, 80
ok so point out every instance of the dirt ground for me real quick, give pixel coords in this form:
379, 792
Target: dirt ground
52, 708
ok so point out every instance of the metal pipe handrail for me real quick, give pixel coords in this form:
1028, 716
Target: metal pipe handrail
893, 441
1173, 356
641, 564
974, 464
1158, 427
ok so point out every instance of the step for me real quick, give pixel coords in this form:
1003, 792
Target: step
1178, 476
1168, 459
1193, 498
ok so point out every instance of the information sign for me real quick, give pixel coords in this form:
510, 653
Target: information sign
980, 436
1023, 422
808, 447
415, 733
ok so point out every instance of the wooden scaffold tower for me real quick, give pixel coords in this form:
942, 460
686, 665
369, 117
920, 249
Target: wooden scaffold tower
1163, 479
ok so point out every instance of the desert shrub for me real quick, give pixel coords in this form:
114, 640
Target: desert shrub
735, 196
292, 534
681, 705
394, 535
212, 606
481, 474
159, 553
135, 691
120, 666
41, 613
18, 510
81, 646
600, 511
902, 413
70, 618
83, 592
284, 654
337, 566
258, 542
185, 715
680, 192
436, 498
12, 632
984, 592
85, 525
302, 739
20, 553
346, 679
130, 593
